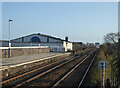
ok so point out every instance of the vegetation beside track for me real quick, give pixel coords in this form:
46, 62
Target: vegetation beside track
109, 54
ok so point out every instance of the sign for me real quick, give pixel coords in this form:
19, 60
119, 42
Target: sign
101, 64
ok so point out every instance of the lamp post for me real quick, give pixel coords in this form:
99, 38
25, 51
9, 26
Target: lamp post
119, 41
9, 38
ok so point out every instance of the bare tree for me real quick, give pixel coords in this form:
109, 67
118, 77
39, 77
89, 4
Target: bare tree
111, 38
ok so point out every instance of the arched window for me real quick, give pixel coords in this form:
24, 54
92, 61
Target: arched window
35, 39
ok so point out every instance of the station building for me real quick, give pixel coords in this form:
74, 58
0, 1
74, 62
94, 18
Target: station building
37, 39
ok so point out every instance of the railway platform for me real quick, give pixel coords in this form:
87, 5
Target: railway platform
14, 65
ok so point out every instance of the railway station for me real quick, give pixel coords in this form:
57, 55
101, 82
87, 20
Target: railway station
59, 45
36, 50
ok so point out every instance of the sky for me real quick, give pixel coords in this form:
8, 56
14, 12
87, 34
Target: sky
80, 21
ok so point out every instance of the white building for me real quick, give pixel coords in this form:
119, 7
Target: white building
55, 44
97, 44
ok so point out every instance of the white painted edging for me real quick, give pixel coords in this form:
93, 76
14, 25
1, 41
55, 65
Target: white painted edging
6, 67
24, 47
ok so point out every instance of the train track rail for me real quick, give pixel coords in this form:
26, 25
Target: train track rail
10, 80
47, 73
75, 77
31, 80
48, 78
80, 83
15, 80
66, 75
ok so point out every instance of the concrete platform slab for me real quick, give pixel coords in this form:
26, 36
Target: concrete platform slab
20, 60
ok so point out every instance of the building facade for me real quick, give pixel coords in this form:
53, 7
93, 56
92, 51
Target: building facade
55, 44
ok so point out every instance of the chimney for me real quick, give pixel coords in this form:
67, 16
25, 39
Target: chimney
66, 39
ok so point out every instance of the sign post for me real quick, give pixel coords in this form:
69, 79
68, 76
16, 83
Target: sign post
102, 66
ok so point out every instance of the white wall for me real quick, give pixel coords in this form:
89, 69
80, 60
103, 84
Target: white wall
67, 45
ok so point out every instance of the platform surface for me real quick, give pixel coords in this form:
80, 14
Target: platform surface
26, 59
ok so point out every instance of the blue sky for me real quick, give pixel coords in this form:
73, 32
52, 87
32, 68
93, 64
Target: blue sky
80, 21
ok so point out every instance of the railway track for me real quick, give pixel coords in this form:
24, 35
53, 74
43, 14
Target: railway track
42, 76
75, 77
10, 81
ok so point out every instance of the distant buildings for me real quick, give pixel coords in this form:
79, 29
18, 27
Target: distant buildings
97, 44
78, 46
55, 44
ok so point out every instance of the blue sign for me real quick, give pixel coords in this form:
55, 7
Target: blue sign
101, 64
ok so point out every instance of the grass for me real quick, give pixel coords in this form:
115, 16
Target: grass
95, 74
112, 73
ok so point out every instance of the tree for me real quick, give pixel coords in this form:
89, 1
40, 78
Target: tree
114, 48
111, 38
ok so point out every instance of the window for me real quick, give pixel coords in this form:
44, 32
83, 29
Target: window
35, 39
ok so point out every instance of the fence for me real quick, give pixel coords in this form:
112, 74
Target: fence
57, 49
54, 47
